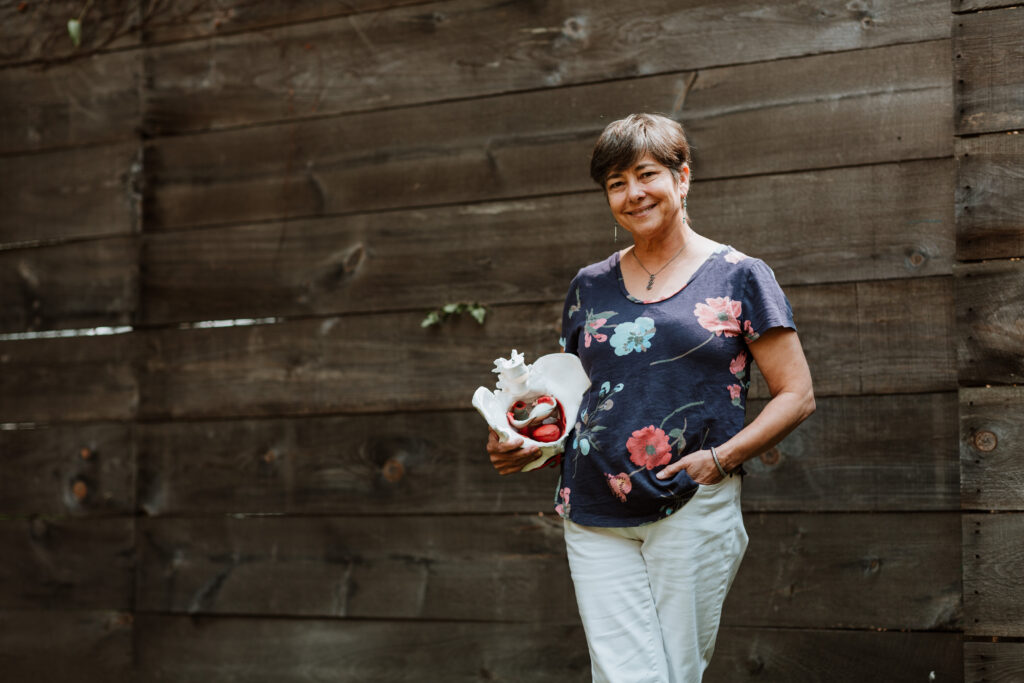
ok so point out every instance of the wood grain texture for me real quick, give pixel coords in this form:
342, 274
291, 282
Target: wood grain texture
470, 48
75, 470
974, 5
470, 568
885, 221
72, 285
87, 101
862, 453
800, 570
993, 662
87, 646
993, 565
387, 464
992, 448
849, 571
68, 379
860, 107
32, 31
990, 197
806, 656
70, 193
249, 650
860, 338
988, 65
990, 322
60, 564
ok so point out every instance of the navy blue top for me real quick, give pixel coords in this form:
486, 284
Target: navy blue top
668, 378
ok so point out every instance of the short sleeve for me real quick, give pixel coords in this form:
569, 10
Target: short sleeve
764, 303
570, 312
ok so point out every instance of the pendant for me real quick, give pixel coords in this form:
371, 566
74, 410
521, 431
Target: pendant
650, 283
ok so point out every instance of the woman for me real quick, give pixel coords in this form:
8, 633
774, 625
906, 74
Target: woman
650, 489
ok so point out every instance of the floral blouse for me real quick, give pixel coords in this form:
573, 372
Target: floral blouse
668, 378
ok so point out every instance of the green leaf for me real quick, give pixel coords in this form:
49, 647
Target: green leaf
432, 319
450, 308
75, 31
478, 313
675, 434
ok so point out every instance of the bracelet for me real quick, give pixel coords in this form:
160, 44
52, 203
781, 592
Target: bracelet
718, 464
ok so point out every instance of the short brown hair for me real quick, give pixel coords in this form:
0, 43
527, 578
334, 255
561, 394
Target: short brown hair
625, 141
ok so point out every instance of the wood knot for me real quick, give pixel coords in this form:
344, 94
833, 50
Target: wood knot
270, 456
916, 258
393, 470
985, 441
771, 457
86, 453
79, 490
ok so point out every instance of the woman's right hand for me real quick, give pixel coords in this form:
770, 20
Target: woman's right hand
509, 457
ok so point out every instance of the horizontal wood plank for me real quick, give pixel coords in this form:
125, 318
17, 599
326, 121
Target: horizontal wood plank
70, 193
993, 565
37, 31
60, 564
993, 662
882, 106
249, 650
992, 448
860, 338
800, 570
387, 464
862, 453
72, 470
87, 101
86, 646
974, 5
469, 48
989, 67
805, 656
884, 221
849, 571
990, 322
67, 379
72, 285
990, 197
395, 464
472, 568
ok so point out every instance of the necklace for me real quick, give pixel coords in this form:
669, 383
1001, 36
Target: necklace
650, 282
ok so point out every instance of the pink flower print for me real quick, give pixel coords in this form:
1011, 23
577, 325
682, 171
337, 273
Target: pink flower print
734, 391
735, 256
590, 330
560, 508
649, 447
738, 364
719, 315
619, 484
748, 332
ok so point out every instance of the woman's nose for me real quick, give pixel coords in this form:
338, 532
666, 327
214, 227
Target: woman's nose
636, 190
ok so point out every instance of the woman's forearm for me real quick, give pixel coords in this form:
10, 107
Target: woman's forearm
778, 418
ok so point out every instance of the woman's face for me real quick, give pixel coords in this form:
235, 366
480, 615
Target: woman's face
647, 199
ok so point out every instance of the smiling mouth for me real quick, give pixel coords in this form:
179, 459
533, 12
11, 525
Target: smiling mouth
642, 210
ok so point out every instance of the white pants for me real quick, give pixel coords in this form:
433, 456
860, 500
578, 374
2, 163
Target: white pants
651, 596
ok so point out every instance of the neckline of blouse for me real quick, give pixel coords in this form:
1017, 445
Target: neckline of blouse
616, 261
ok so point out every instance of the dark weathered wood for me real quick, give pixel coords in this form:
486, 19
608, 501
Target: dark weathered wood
990, 322
247, 650
68, 379
60, 564
73, 285
82, 646
860, 338
80, 470
988, 65
842, 459
990, 197
801, 656
470, 48
993, 662
814, 571
387, 464
862, 453
881, 105
894, 221
90, 100
993, 565
849, 571
32, 31
476, 567
69, 193
992, 448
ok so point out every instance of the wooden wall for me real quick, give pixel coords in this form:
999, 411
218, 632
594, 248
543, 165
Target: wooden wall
307, 497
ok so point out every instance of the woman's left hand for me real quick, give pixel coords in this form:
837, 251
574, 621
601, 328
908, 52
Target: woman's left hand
699, 465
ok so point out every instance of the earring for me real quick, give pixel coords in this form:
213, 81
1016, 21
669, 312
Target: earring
615, 228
